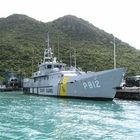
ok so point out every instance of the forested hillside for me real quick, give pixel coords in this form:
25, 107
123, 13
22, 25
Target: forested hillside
23, 39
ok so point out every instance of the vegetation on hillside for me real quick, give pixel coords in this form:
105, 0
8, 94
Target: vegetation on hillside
22, 41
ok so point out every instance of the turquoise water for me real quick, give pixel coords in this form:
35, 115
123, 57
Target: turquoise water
24, 117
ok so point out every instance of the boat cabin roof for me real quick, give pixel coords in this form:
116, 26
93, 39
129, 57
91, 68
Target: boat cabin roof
51, 65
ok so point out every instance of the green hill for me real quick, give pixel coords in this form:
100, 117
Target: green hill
22, 41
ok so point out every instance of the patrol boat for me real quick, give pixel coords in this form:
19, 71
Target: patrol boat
53, 79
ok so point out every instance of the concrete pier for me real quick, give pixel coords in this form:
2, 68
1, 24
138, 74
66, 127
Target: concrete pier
128, 93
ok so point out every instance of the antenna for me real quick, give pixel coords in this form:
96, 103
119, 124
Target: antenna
48, 40
58, 46
32, 59
70, 58
75, 57
52, 50
70, 54
32, 64
114, 54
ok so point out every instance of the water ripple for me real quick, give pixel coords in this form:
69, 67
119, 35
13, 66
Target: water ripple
44, 118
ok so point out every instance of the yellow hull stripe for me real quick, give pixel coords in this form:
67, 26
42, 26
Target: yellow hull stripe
63, 87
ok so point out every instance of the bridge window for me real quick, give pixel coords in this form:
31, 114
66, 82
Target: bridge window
49, 66
56, 66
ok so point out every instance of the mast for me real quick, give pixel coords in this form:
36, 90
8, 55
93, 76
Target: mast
48, 40
70, 58
48, 55
75, 58
58, 47
114, 54
70, 55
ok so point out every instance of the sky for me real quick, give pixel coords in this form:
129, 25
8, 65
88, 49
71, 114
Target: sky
118, 17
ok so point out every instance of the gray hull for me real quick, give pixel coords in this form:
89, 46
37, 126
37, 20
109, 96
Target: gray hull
98, 85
